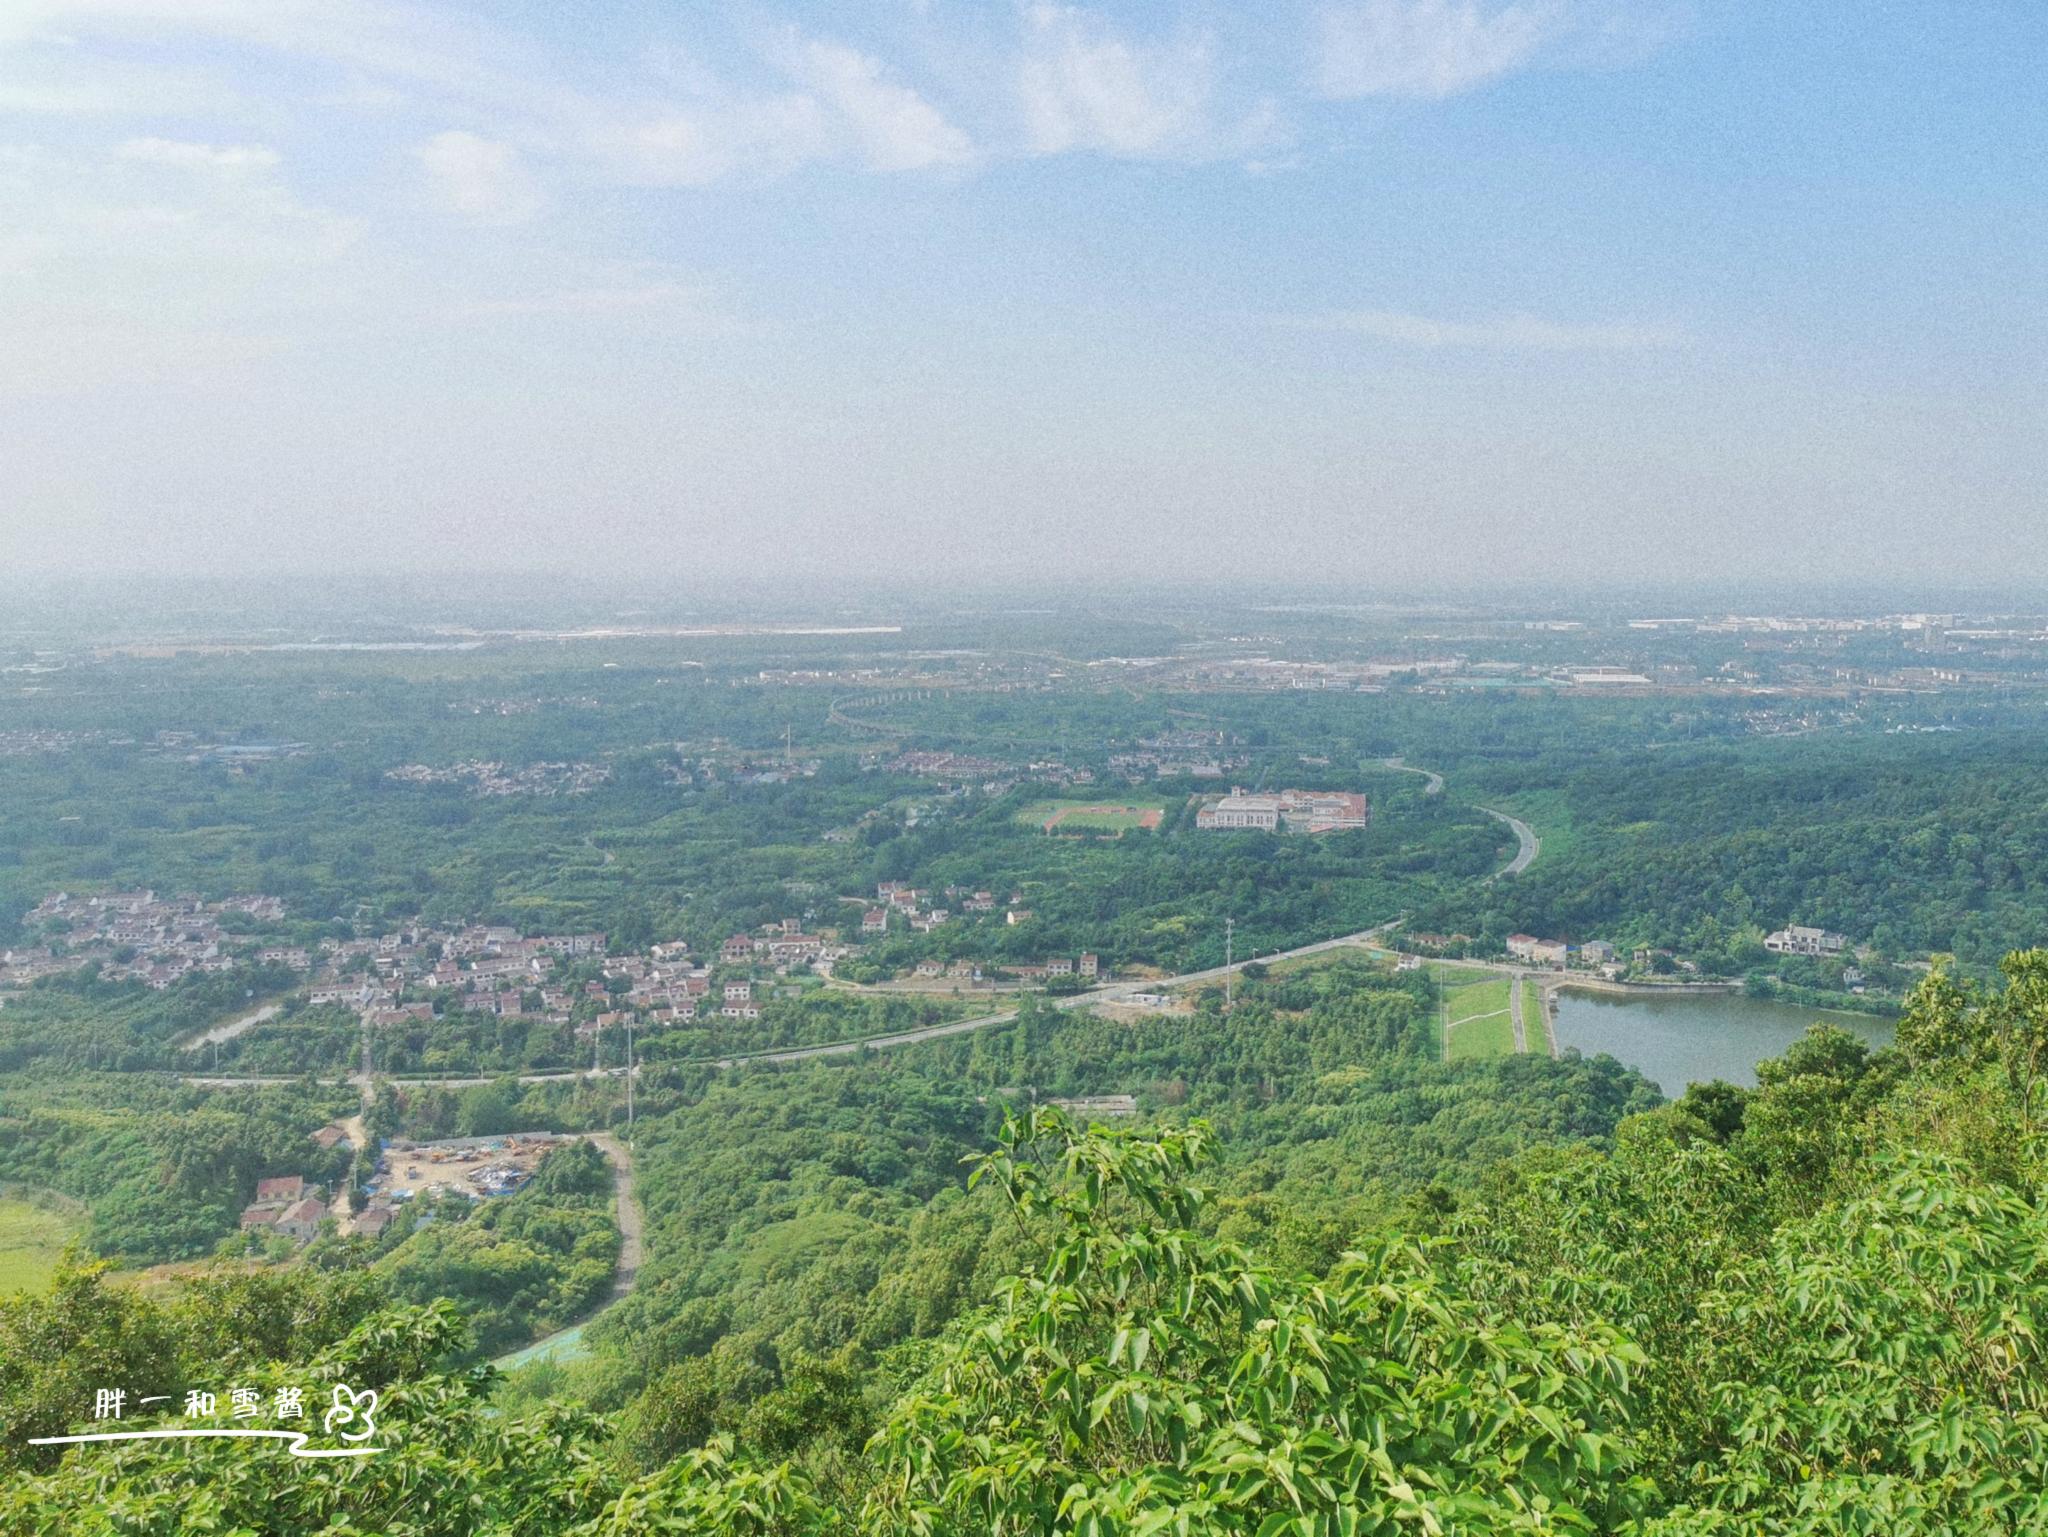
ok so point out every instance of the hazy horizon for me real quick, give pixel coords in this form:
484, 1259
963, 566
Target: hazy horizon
1402, 295
300, 604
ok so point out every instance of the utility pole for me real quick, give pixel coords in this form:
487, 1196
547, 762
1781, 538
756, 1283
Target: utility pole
1229, 945
629, 1083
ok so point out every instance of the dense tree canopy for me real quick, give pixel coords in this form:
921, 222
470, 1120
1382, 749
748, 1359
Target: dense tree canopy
1803, 1308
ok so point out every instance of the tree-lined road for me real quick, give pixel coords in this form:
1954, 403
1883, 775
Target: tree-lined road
1526, 839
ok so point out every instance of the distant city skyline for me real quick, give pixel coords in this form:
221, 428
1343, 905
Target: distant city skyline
1380, 292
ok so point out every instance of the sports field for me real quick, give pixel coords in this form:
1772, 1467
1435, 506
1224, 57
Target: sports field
30, 1241
1118, 816
1476, 1020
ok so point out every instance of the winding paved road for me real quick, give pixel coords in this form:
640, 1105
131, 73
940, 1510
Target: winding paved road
1435, 784
1525, 835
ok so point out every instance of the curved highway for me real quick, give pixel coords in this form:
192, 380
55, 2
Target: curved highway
1525, 836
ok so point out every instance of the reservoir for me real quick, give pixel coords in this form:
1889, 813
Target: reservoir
1677, 1041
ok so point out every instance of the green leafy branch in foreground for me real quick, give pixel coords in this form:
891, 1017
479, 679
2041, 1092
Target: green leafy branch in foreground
1149, 1380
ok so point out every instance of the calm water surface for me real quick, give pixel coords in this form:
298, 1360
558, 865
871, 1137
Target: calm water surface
1677, 1041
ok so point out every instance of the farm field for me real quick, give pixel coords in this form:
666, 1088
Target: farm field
1476, 1021
31, 1239
1118, 815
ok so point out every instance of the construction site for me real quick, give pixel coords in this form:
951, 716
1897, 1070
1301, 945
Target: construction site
472, 1166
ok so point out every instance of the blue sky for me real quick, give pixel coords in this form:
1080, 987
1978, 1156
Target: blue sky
1362, 290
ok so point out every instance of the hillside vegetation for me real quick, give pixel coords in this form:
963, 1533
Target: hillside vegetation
1803, 1308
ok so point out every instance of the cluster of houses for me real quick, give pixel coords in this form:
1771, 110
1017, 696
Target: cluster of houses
1086, 966
991, 775
495, 970
949, 767
290, 1207
1298, 811
286, 1204
416, 972
1179, 755
1556, 952
488, 778
133, 936
899, 903
1598, 953
492, 966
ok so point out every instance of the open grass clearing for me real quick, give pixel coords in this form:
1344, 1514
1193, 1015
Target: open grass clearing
32, 1236
1476, 998
1476, 1019
1484, 1035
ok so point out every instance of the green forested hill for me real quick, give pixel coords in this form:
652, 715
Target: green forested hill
817, 1211
1906, 843
1804, 1308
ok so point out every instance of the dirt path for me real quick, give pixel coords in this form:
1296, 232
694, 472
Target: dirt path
1515, 1011
359, 1139
234, 1027
626, 1210
632, 1247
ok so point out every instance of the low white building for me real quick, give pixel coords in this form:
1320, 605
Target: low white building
1540, 952
1800, 940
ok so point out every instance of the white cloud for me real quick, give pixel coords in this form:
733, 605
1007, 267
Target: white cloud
681, 298
1510, 333
112, 272
482, 178
1085, 87
706, 141
897, 129
840, 105
1430, 48
199, 157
